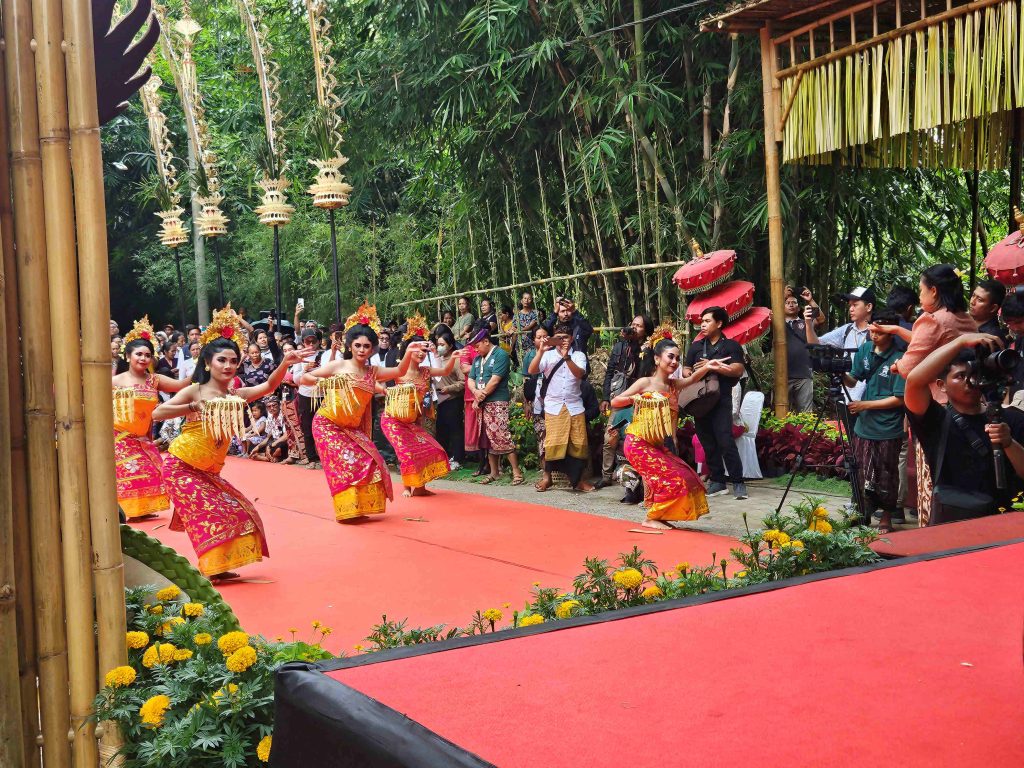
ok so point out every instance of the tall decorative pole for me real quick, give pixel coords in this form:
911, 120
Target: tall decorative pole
210, 222
274, 211
172, 230
330, 190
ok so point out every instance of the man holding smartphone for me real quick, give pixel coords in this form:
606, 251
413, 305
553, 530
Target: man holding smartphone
798, 359
566, 314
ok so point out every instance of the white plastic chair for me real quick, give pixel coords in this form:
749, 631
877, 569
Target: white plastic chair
750, 411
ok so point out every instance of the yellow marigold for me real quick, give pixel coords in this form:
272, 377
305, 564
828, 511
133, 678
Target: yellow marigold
242, 659
168, 593
529, 621
203, 638
492, 614
506, 605
119, 677
796, 544
820, 512
153, 711
567, 609
652, 592
670, 575
232, 641
821, 526
150, 657
263, 749
628, 578
228, 690
741, 574
358, 648
169, 625
166, 651
193, 610
157, 609
136, 640
182, 654
683, 567
775, 537
316, 624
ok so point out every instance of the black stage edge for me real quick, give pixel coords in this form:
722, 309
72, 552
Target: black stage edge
319, 721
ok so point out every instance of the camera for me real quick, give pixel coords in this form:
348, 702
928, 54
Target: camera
629, 332
830, 360
991, 368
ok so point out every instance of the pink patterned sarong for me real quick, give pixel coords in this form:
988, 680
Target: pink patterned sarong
140, 480
420, 457
356, 473
672, 490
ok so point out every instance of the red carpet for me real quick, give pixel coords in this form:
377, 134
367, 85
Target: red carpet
994, 529
913, 665
473, 552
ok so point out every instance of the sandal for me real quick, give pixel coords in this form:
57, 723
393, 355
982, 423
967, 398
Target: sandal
487, 480
518, 480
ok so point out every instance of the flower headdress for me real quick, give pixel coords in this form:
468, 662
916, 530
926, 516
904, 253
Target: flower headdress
141, 330
662, 332
224, 325
416, 327
365, 315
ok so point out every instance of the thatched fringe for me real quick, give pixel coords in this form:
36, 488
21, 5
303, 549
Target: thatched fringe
124, 404
403, 402
336, 393
914, 100
652, 418
224, 417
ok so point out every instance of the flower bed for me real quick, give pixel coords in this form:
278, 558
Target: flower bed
779, 442
197, 692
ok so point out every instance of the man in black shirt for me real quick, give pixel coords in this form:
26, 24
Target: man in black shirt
966, 453
715, 354
798, 360
986, 300
565, 312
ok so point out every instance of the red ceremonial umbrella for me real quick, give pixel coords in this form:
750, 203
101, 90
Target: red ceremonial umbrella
1005, 261
746, 329
735, 298
705, 272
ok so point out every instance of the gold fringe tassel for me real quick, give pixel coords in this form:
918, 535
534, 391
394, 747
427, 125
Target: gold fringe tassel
224, 417
652, 417
403, 402
124, 404
336, 393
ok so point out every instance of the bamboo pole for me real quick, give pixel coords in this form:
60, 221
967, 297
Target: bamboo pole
19, 477
90, 218
33, 301
545, 281
775, 249
61, 266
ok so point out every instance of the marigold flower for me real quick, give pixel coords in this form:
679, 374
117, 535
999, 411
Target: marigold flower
193, 610
628, 578
166, 652
153, 710
819, 525
263, 749
567, 609
156, 609
316, 624
168, 593
203, 638
820, 512
169, 625
796, 544
492, 614
652, 592
228, 690
358, 648
683, 567
741, 574
242, 659
775, 537
151, 657
136, 640
670, 575
182, 654
529, 621
326, 631
119, 677
232, 641
506, 605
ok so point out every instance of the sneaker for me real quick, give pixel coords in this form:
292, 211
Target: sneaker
740, 490
454, 465
715, 489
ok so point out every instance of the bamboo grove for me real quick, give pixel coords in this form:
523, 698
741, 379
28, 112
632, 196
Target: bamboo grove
494, 142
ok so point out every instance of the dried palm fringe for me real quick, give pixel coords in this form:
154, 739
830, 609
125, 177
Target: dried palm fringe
941, 97
124, 404
336, 393
652, 418
403, 402
224, 417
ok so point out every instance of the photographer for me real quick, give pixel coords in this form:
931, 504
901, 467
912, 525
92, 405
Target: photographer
798, 359
850, 336
565, 312
622, 371
958, 439
878, 433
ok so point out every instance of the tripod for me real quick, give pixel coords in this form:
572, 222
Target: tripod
835, 403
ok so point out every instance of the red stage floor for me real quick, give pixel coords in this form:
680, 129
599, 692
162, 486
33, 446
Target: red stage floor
473, 552
911, 665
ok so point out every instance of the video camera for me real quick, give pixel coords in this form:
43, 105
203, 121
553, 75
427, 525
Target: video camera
830, 360
993, 369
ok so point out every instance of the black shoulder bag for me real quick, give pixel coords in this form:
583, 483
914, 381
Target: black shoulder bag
949, 502
546, 380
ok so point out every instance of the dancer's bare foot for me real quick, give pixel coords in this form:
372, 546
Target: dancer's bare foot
408, 493
585, 487
658, 525
226, 576
424, 491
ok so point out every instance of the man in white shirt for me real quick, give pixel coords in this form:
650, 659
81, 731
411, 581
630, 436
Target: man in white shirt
559, 388
852, 335
310, 353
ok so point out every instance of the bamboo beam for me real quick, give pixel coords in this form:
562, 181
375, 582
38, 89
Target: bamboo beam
19, 478
33, 301
775, 248
789, 103
94, 286
61, 266
908, 29
543, 281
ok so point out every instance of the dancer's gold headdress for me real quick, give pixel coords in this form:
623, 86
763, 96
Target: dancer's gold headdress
365, 315
416, 326
142, 329
224, 325
662, 332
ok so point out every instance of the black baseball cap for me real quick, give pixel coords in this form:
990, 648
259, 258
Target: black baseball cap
859, 294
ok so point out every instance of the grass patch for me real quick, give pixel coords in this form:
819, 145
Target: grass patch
810, 482
465, 475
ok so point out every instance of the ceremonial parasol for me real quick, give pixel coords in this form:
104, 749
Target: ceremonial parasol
746, 329
735, 298
1005, 261
705, 271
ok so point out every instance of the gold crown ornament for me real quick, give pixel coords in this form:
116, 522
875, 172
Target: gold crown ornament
416, 326
662, 332
141, 329
224, 325
365, 315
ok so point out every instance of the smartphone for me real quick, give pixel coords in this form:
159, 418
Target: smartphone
301, 303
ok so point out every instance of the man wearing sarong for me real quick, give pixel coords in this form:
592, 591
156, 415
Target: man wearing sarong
488, 384
565, 423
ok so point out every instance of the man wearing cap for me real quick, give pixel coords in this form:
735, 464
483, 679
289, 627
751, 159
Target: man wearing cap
850, 336
565, 313
488, 384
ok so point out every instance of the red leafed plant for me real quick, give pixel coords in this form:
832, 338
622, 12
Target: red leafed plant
780, 449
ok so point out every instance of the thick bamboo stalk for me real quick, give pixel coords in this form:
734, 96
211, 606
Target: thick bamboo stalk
61, 265
775, 254
544, 281
34, 300
90, 218
19, 478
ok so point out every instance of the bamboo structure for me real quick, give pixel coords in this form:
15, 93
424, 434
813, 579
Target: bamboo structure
94, 287
33, 299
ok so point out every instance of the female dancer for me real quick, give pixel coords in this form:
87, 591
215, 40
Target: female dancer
356, 473
420, 457
140, 483
672, 489
223, 526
